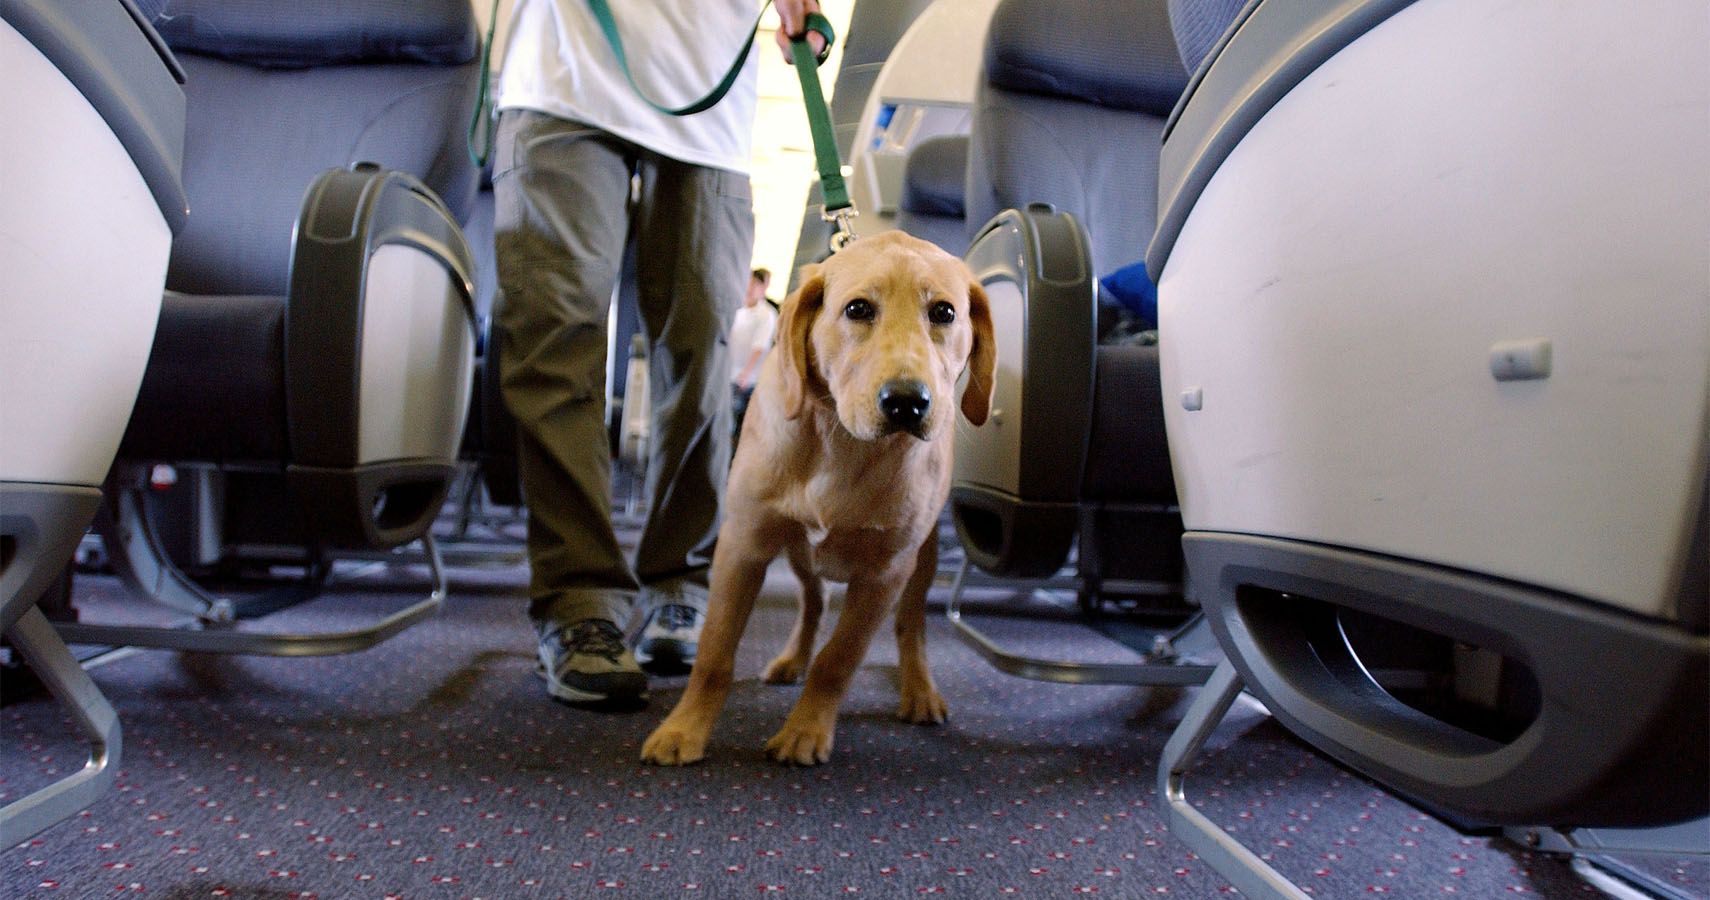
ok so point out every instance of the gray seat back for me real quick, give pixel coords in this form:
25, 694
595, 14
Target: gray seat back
1071, 112
278, 92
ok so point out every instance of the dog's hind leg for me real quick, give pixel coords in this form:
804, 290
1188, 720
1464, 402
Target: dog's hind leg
792, 661
920, 702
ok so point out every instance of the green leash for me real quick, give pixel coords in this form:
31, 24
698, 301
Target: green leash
608, 25
485, 114
838, 209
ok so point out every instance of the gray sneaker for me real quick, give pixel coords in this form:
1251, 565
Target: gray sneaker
586, 662
669, 640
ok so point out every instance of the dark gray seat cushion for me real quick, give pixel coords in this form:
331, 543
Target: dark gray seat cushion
1128, 456
945, 231
214, 390
1031, 149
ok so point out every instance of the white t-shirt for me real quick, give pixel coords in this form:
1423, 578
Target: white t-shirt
751, 330
557, 61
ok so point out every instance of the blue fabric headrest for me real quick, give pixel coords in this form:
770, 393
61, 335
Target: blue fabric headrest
1199, 25
308, 33
1120, 55
933, 179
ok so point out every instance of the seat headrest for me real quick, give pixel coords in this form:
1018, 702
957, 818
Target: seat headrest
934, 175
1199, 25
295, 34
1120, 55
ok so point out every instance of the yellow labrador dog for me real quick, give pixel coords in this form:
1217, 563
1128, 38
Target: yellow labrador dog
843, 465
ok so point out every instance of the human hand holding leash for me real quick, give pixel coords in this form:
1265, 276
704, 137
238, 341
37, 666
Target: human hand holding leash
792, 17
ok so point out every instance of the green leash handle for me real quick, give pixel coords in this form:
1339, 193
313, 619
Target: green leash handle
837, 206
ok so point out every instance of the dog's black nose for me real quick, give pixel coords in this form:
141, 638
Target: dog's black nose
904, 402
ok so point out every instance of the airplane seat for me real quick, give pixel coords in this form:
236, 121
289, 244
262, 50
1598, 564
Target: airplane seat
351, 302
317, 340
1406, 313
89, 200
1068, 118
931, 207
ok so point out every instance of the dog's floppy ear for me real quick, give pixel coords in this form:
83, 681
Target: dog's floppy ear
982, 360
795, 321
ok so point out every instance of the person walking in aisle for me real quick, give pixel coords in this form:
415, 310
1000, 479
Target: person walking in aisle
582, 165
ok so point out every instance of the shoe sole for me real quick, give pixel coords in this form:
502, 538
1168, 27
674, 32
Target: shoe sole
569, 694
664, 657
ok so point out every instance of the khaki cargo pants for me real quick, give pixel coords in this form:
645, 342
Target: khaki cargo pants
564, 209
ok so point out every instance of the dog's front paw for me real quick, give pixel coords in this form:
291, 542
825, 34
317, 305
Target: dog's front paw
785, 670
922, 706
803, 746
671, 745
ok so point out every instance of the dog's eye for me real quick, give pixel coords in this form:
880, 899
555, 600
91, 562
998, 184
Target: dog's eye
941, 313
860, 311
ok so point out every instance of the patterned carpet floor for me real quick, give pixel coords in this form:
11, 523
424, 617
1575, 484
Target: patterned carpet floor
434, 765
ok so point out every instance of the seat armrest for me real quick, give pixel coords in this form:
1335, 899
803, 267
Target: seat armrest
1016, 488
381, 278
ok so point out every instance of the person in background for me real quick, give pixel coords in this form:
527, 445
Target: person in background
751, 333
583, 164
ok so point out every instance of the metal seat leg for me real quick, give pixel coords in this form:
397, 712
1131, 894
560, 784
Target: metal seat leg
1600, 855
1155, 669
147, 570
35, 640
1244, 869
140, 559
